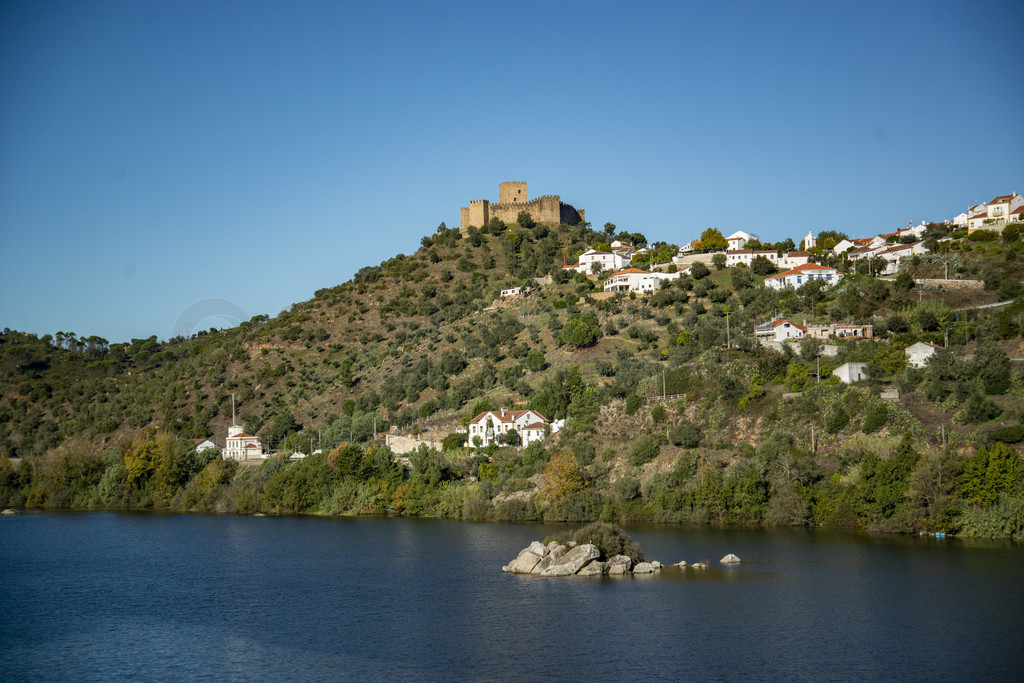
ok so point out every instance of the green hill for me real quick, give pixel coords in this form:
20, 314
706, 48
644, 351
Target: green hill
422, 342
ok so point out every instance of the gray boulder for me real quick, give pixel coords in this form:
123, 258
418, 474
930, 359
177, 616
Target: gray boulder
617, 570
594, 568
571, 562
538, 549
730, 559
524, 562
9, 511
643, 568
655, 564
620, 561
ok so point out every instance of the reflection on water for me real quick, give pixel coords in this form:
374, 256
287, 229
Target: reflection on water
105, 595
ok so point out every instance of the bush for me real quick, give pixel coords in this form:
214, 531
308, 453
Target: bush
686, 435
644, 449
699, 271
610, 540
633, 404
836, 421
1013, 434
875, 418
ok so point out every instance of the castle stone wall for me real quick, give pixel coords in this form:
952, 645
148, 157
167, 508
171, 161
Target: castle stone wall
512, 193
547, 209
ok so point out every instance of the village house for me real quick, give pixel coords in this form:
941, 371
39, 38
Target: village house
918, 354
800, 275
841, 331
1007, 208
851, 372
516, 291
203, 445
636, 280
734, 257
779, 331
488, 426
242, 446
592, 261
738, 239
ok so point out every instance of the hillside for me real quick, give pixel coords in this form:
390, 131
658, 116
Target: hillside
423, 342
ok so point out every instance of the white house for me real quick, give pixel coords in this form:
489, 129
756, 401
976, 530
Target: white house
961, 220
793, 259
997, 213
842, 331
800, 275
734, 257
592, 261
919, 353
204, 445
636, 280
515, 291
485, 428
851, 372
738, 239
242, 446
779, 331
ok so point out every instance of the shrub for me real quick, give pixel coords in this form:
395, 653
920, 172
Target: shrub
686, 435
875, 418
1013, 434
610, 540
836, 421
644, 449
633, 404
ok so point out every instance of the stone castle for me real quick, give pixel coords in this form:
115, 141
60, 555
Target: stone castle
512, 198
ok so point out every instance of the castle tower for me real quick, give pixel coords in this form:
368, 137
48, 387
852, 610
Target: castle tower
512, 193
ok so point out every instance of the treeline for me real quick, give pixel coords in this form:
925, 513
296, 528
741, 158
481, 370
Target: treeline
894, 488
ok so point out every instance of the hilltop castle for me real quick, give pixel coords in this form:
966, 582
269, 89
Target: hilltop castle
547, 209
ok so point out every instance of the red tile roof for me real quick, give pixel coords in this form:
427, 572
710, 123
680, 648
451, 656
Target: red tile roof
1001, 199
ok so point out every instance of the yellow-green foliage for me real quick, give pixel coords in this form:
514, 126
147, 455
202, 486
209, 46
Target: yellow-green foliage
561, 476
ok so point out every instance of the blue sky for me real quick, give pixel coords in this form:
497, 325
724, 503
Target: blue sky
165, 161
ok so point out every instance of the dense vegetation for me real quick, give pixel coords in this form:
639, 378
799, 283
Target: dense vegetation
422, 342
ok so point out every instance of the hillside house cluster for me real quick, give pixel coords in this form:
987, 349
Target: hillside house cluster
784, 330
997, 214
487, 427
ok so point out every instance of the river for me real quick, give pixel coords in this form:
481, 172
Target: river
103, 595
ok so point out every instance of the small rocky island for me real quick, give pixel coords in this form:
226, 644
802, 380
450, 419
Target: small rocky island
597, 549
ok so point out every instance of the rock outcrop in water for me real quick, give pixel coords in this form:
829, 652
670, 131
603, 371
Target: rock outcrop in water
556, 559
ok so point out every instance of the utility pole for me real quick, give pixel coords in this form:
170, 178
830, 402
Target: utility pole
814, 448
663, 392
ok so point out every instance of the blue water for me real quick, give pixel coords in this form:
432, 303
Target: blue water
101, 596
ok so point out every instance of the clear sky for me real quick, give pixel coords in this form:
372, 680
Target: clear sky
163, 163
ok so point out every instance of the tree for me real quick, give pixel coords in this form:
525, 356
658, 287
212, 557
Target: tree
561, 476
525, 219
609, 229
718, 260
712, 239
535, 360
580, 330
741, 278
762, 266
991, 472
992, 366
699, 271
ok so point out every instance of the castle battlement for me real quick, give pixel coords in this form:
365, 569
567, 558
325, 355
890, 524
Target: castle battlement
512, 199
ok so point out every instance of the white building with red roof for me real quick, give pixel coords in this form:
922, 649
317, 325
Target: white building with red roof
636, 280
487, 427
1006, 208
242, 446
779, 331
738, 239
592, 261
795, 277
